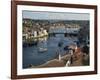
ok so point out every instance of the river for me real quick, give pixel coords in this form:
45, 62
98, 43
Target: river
31, 55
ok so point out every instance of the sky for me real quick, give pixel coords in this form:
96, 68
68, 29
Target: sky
43, 15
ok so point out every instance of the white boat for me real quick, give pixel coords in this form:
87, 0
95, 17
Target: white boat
42, 49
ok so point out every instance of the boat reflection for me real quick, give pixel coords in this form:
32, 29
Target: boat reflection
42, 41
42, 44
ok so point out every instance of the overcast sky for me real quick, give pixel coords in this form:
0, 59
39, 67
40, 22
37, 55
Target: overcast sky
55, 15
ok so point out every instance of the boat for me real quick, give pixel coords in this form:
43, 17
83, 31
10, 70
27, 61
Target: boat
42, 49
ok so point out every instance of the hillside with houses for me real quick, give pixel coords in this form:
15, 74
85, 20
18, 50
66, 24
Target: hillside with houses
33, 28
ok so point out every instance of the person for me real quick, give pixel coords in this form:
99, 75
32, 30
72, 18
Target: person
59, 57
71, 54
68, 63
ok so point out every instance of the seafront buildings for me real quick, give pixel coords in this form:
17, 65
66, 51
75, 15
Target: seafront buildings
40, 28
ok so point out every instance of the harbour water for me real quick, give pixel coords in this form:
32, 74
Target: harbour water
32, 56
